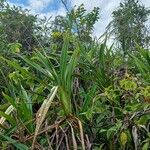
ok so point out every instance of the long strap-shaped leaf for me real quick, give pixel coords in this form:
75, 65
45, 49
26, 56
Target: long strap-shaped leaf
41, 114
17, 66
17, 144
6, 115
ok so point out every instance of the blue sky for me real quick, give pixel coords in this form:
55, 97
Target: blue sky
54, 7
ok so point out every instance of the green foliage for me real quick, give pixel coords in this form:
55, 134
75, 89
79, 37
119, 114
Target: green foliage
129, 25
78, 22
15, 47
17, 26
78, 94
141, 61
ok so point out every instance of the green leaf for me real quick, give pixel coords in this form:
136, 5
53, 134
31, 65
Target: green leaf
63, 60
145, 146
10, 100
8, 117
18, 145
123, 138
65, 100
15, 47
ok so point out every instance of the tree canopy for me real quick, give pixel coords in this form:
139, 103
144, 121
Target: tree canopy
129, 25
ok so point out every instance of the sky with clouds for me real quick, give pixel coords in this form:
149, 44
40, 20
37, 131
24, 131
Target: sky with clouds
55, 7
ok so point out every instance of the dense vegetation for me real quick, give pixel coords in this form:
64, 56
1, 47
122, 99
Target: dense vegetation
62, 89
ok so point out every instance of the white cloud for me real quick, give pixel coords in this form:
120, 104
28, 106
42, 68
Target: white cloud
105, 16
38, 5
16, 4
61, 11
90, 4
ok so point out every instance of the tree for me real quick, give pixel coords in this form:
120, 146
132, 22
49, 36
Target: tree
16, 25
129, 25
78, 22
